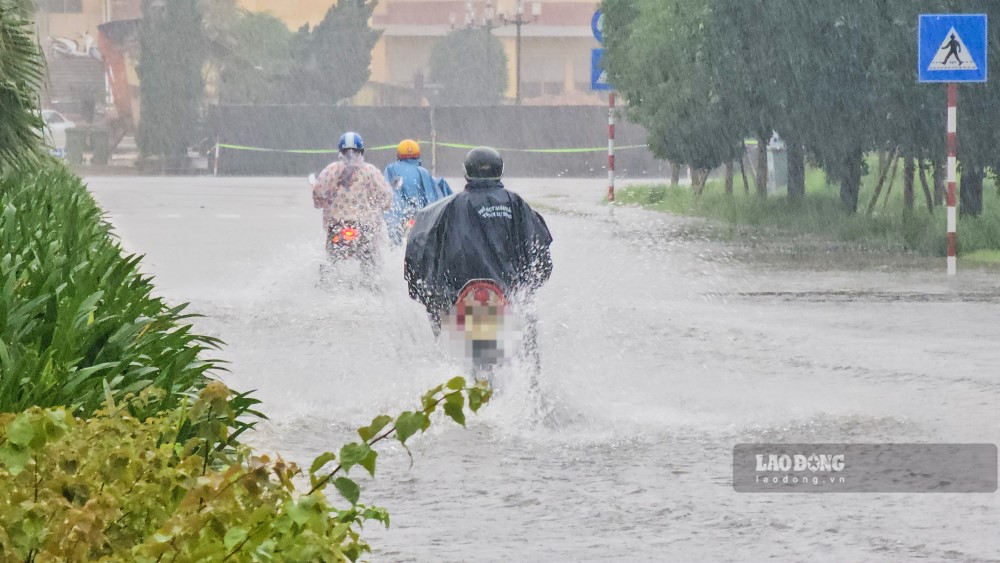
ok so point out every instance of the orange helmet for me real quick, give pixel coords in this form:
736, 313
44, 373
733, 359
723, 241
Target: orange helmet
408, 149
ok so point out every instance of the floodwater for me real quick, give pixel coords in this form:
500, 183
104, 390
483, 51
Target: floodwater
661, 350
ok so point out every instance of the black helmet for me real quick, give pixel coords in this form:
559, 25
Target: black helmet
483, 163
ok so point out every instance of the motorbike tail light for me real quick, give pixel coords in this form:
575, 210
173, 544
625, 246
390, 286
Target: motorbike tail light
410, 223
349, 234
482, 295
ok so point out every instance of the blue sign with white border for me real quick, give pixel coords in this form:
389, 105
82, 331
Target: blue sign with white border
598, 76
952, 48
597, 26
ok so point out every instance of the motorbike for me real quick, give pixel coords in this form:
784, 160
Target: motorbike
400, 224
406, 217
407, 225
483, 328
348, 240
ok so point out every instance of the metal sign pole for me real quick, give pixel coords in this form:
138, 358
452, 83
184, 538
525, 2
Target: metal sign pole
952, 177
599, 82
611, 147
952, 48
433, 143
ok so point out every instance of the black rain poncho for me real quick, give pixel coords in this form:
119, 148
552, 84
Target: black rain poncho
483, 232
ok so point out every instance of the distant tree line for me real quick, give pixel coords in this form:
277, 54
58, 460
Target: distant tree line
260, 61
255, 59
835, 79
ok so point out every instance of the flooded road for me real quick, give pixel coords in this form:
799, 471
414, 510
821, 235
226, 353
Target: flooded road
661, 350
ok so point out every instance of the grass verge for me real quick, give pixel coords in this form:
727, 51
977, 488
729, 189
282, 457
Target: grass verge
889, 227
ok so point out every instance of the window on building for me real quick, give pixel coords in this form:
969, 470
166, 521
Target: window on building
61, 6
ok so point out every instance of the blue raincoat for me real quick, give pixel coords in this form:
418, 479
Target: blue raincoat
418, 190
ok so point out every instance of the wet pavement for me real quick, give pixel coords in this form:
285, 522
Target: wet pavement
662, 349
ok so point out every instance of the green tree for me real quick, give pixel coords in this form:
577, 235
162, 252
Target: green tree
471, 67
25, 7
808, 71
703, 75
254, 67
835, 79
747, 64
333, 60
658, 55
171, 63
21, 72
250, 54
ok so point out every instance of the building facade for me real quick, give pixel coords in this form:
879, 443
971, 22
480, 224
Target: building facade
555, 43
73, 18
74, 82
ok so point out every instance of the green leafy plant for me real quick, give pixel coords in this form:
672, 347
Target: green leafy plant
78, 321
118, 488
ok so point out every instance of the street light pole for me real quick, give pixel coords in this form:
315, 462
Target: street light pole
491, 20
517, 53
518, 22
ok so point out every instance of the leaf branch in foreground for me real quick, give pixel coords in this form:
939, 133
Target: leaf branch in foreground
455, 395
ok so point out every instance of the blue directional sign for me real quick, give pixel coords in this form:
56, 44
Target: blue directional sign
952, 48
598, 76
597, 26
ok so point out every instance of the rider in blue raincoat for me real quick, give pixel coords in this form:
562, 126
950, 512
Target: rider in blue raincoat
413, 189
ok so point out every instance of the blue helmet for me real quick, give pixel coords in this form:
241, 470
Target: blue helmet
351, 140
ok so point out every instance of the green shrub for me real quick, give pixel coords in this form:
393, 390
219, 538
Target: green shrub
117, 488
78, 322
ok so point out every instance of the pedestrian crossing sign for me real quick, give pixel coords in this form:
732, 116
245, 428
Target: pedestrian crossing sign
598, 76
952, 48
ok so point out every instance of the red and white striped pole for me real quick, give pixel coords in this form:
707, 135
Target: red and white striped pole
611, 147
952, 177
215, 164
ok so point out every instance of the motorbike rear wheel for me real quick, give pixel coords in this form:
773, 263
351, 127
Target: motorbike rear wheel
365, 250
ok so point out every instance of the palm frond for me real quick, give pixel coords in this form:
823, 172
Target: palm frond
22, 70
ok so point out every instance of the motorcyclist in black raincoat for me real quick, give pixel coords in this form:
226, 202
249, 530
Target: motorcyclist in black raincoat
483, 232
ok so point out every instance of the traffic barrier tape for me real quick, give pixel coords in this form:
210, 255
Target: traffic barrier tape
445, 145
294, 151
549, 151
